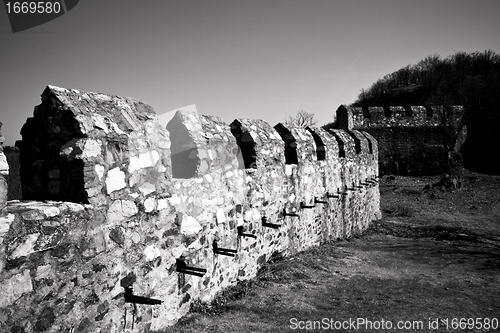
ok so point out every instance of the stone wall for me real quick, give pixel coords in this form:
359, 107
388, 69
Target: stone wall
4, 172
128, 208
411, 138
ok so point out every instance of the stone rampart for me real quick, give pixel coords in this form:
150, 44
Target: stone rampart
411, 138
399, 116
127, 209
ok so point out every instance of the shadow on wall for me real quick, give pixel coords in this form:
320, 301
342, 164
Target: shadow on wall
14, 179
480, 150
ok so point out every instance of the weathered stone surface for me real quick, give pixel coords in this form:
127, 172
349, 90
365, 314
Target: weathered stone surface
25, 246
121, 210
15, 287
117, 235
4, 166
115, 180
144, 160
44, 272
149, 204
5, 222
189, 225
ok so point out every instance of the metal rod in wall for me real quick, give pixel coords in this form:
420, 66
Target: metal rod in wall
130, 298
304, 206
223, 251
243, 234
316, 200
181, 267
269, 225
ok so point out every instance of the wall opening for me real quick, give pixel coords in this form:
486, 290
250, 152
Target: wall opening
357, 142
429, 111
370, 147
45, 173
340, 143
387, 111
290, 144
184, 153
366, 113
320, 146
408, 111
246, 144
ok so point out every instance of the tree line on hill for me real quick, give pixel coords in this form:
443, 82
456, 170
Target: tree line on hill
468, 79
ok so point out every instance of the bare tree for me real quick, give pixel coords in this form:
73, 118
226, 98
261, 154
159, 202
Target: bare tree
301, 119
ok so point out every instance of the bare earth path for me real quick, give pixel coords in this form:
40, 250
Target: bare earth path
433, 260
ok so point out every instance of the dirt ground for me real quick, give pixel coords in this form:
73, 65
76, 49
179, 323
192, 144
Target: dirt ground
432, 264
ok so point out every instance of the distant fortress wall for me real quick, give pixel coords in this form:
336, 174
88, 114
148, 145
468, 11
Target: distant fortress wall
411, 139
125, 223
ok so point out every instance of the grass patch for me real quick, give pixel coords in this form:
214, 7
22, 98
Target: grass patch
432, 258
398, 209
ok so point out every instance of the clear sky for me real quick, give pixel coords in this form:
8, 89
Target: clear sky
233, 58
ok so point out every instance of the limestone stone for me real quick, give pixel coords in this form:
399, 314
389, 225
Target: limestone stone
4, 165
221, 217
189, 225
3, 190
121, 210
136, 238
40, 211
162, 204
143, 160
26, 247
99, 170
149, 204
151, 252
49, 240
82, 148
74, 208
100, 122
15, 287
147, 188
195, 246
5, 222
178, 251
43, 272
115, 180
175, 200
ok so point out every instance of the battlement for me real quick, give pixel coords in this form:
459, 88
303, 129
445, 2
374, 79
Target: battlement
175, 213
410, 138
397, 116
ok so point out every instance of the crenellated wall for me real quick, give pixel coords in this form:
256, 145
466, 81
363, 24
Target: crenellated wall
128, 208
411, 138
